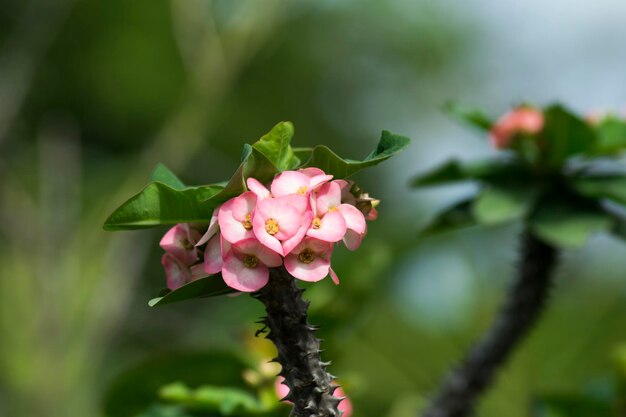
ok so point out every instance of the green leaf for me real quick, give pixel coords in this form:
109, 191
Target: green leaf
568, 222
137, 388
162, 174
611, 136
276, 147
613, 187
325, 159
210, 286
226, 400
572, 405
160, 204
455, 171
564, 135
160, 410
498, 204
458, 216
472, 116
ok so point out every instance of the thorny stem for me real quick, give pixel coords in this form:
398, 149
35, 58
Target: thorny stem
526, 300
311, 387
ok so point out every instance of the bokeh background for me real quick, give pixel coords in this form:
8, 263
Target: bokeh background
93, 94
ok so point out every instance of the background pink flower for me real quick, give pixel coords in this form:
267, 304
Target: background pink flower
520, 120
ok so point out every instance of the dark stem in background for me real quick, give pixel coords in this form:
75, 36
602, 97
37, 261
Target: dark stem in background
311, 387
526, 300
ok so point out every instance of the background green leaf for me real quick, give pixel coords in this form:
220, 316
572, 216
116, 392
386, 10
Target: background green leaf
225, 400
568, 223
613, 187
322, 157
564, 135
611, 136
571, 406
455, 170
276, 147
458, 216
472, 116
210, 286
498, 204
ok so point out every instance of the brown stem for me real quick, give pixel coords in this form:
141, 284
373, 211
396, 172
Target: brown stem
527, 298
311, 387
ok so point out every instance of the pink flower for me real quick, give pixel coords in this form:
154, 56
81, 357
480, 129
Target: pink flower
298, 182
246, 265
310, 260
345, 406
355, 225
328, 222
278, 219
214, 253
235, 217
214, 227
257, 188
179, 274
520, 120
180, 241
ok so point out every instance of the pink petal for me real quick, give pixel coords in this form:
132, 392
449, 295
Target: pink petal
333, 276
328, 196
177, 273
283, 212
372, 215
253, 247
354, 218
232, 229
214, 226
352, 239
332, 227
264, 237
290, 182
213, 256
236, 275
311, 172
243, 205
179, 241
295, 240
318, 180
197, 272
345, 406
311, 272
299, 202
257, 188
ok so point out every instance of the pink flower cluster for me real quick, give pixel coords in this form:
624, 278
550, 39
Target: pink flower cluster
295, 222
520, 120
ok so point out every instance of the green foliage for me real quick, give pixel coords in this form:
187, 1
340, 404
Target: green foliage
473, 116
549, 180
168, 201
567, 222
137, 389
159, 204
564, 135
201, 288
325, 159
571, 406
225, 400
276, 146
498, 204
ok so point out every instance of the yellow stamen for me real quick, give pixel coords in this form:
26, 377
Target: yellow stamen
250, 261
317, 223
247, 222
306, 256
332, 208
271, 226
302, 190
187, 244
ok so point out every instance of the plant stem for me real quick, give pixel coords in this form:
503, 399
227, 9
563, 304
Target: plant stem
310, 386
526, 300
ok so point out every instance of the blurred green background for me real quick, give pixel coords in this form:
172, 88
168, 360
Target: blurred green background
93, 94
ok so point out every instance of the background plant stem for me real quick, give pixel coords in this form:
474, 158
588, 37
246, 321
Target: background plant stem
525, 302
